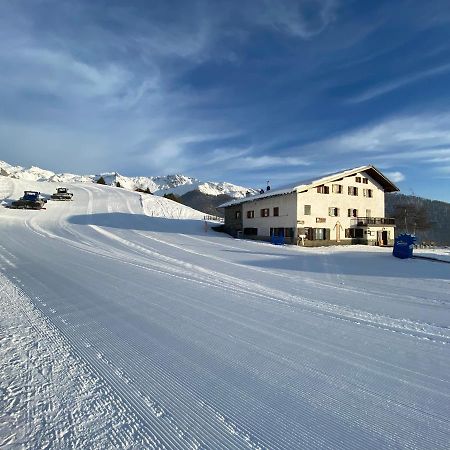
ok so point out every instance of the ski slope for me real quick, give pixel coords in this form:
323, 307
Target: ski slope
125, 324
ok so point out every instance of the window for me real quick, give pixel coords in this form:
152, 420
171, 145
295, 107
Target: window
250, 214
337, 188
352, 190
365, 181
355, 233
307, 210
320, 220
286, 232
316, 234
237, 215
333, 212
367, 193
289, 232
368, 213
251, 231
277, 231
352, 213
265, 212
358, 179
276, 211
323, 189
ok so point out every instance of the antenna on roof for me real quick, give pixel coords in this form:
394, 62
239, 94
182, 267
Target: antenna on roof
268, 186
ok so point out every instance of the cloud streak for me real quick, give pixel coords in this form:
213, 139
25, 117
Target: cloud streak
392, 85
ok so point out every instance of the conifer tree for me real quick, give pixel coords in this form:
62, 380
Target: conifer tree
173, 197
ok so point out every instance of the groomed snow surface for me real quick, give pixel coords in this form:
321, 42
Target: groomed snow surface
125, 324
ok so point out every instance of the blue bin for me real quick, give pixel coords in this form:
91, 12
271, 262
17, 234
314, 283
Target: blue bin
277, 240
403, 246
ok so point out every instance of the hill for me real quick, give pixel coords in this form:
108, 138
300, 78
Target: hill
205, 202
428, 219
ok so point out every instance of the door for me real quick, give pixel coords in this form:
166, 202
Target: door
338, 228
379, 238
338, 232
382, 237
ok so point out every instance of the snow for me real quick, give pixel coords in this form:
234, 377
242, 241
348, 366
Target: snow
125, 324
438, 253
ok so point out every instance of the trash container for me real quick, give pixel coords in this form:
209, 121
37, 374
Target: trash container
403, 246
277, 240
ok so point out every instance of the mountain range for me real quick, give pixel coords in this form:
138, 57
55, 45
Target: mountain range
178, 185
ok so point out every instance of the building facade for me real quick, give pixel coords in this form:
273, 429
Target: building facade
341, 208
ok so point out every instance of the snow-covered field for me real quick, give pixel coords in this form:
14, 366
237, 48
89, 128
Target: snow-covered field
124, 324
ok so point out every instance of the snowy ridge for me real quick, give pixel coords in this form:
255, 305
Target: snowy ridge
159, 185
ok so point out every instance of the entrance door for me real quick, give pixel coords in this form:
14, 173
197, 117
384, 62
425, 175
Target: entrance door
338, 227
382, 237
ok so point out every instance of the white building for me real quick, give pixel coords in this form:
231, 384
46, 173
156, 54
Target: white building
341, 208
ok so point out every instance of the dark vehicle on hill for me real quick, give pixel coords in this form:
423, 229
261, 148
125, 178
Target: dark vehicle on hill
30, 200
62, 193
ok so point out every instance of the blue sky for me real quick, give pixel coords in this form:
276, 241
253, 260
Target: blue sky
243, 91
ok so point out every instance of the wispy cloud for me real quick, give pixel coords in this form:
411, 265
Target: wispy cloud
396, 177
304, 19
398, 83
425, 131
266, 161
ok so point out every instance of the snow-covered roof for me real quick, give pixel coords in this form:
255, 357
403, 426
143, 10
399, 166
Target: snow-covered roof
302, 185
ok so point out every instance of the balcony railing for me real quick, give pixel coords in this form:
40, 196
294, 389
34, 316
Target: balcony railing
377, 221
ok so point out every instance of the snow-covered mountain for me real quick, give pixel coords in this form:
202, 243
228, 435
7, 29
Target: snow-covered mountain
160, 185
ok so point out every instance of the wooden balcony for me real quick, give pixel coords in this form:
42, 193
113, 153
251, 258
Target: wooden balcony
372, 221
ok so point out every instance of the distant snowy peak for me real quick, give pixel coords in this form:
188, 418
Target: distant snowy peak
38, 174
176, 184
225, 188
160, 185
